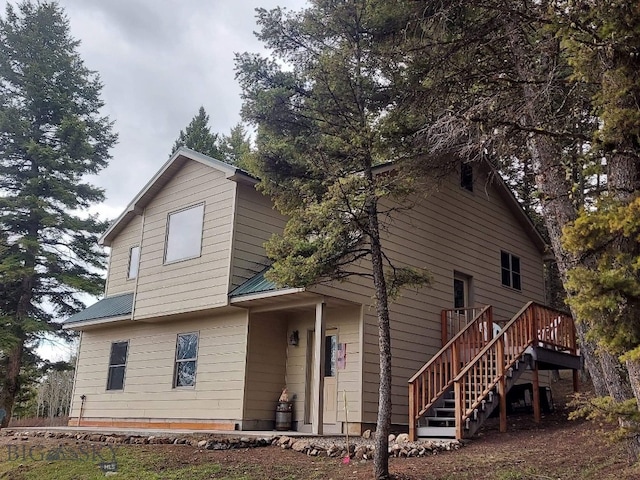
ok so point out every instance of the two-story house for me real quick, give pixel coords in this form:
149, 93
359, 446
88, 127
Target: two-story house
190, 334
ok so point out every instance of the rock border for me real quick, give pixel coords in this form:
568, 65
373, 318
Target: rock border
360, 448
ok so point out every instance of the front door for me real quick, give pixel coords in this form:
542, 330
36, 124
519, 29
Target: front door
330, 393
330, 377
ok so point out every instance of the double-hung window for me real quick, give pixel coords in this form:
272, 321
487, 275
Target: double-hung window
510, 267
186, 359
117, 365
184, 234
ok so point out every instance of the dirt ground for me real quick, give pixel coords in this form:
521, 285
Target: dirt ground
556, 448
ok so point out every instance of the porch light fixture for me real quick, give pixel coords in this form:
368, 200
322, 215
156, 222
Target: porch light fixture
294, 338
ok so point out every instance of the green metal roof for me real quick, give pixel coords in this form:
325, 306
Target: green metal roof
256, 284
115, 306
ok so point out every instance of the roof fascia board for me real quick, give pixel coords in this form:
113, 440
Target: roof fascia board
96, 321
135, 207
262, 295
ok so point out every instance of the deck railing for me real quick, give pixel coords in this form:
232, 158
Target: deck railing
533, 325
436, 376
454, 321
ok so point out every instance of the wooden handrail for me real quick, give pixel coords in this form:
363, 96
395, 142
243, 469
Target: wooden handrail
436, 376
455, 320
534, 324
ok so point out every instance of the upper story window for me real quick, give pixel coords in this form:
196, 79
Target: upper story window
117, 365
466, 176
186, 357
134, 261
510, 266
184, 234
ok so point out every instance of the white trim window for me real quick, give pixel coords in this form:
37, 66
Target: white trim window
184, 234
510, 267
134, 262
117, 365
186, 360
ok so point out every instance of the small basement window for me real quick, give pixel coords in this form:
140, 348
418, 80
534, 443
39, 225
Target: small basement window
510, 267
117, 365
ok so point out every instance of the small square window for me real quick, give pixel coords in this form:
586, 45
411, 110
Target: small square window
186, 358
184, 234
466, 176
510, 269
134, 261
117, 365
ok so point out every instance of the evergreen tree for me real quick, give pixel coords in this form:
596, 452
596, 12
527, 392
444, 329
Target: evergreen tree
322, 129
553, 85
236, 147
197, 136
52, 136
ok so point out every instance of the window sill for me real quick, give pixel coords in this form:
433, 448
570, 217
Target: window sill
513, 289
173, 262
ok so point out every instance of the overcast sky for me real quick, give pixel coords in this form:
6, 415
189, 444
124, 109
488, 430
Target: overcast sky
159, 61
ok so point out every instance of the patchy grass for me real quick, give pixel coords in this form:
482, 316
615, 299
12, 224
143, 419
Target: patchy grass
132, 463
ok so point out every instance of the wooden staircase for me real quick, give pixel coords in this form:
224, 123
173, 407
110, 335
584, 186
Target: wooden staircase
453, 394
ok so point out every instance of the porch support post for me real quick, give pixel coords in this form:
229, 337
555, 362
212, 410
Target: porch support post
318, 374
536, 394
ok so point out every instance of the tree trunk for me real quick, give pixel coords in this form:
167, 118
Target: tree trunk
381, 459
11, 382
623, 184
558, 210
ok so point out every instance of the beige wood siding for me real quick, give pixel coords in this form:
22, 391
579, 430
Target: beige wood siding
117, 281
346, 321
255, 222
266, 367
148, 386
192, 284
448, 229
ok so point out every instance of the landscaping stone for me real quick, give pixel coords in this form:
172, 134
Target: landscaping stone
360, 448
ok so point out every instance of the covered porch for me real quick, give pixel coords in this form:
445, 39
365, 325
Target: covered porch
283, 352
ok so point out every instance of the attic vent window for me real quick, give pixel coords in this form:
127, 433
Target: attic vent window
510, 270
134, 261
184, 234
466, 176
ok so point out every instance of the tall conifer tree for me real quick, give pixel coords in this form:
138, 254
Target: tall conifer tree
322, 131
51, 136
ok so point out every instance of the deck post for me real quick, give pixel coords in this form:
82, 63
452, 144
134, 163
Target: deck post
412, 412
536, 393
317, 419
576, 381
459, 409
502, 386
444, 333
